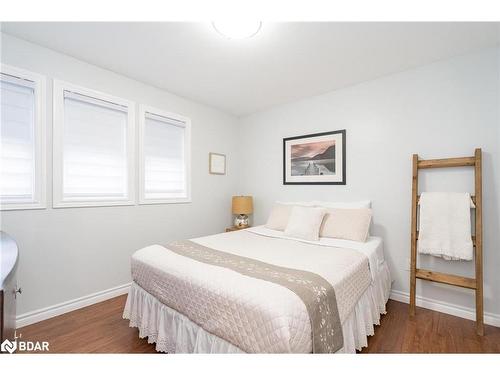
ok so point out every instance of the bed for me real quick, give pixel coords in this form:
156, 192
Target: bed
186, 304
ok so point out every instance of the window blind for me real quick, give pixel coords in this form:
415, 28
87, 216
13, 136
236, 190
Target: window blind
94, 149
17, 133
164, 157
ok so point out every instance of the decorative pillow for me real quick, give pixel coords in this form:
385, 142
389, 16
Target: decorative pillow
355, 204
347, 223
305, 222
305, 204
278, 218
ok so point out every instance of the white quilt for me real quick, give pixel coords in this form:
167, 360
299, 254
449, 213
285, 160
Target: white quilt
218, 299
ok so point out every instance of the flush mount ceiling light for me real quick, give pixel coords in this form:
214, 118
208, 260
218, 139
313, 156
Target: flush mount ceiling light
237, 29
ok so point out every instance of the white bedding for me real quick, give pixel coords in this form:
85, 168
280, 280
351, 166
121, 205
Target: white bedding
173, 332
372, 248
212, 296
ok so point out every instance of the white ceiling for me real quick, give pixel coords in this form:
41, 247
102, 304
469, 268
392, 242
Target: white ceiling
284, 62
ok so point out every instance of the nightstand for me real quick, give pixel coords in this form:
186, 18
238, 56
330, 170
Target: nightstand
233, 228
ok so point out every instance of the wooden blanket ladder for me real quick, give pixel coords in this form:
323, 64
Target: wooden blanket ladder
475, 283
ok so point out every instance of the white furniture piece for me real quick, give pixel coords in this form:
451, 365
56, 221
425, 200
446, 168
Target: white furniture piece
8, 287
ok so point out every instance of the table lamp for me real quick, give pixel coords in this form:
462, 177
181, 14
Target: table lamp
242, 206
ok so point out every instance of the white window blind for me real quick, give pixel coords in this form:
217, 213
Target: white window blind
94, 149
18, 145
165, 163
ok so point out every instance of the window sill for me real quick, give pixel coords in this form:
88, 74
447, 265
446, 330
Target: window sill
165, 201
76, 204
22, 206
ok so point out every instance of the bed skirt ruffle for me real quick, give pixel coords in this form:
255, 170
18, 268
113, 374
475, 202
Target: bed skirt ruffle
172, 332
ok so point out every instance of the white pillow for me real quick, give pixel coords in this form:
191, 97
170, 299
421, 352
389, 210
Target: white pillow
305, 222
355, 204
326, 204
278, 218
347, 223
305, 204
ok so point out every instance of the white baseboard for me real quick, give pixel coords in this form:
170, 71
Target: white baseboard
75, 304
78, 303
447, 308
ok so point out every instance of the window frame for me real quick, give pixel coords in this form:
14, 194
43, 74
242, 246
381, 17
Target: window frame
40, 137
143, 109
59, 87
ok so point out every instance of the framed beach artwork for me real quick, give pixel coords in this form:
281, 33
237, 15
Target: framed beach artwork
216, 163
315, 159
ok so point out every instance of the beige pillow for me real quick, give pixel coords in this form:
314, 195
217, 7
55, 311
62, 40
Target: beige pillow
305, 223
347, 223
278, 218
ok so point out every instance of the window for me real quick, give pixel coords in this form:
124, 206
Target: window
22, 133
164, 141
93, 148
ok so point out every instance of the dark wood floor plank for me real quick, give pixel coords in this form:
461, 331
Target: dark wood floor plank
100, 329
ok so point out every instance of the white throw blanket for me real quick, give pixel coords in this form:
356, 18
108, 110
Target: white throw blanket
445, 225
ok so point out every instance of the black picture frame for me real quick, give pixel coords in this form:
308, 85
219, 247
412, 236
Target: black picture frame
343, 151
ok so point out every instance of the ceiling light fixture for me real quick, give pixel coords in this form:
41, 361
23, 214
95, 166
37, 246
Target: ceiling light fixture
237, 29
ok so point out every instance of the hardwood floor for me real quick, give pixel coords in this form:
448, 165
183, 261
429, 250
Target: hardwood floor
100, 329
429, 332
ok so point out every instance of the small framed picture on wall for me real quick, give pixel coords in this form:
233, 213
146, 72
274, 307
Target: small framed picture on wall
315, 159
216, 163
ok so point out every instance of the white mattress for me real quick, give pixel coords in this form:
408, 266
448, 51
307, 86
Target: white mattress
214, 297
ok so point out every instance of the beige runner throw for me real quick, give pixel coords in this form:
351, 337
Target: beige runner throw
316, 293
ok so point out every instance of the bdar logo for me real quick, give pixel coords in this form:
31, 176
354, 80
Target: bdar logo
8, 346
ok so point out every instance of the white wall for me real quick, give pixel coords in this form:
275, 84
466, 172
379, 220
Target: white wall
68, 253
441, 110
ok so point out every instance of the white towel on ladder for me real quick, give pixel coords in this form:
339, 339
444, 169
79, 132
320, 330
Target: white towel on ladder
445, 225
